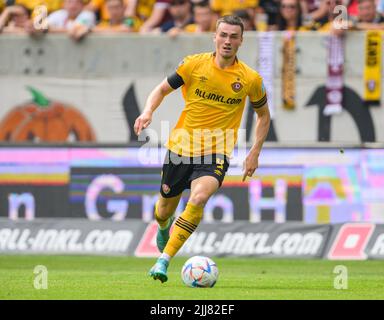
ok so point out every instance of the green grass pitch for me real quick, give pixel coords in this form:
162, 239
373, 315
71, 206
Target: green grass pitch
92, 277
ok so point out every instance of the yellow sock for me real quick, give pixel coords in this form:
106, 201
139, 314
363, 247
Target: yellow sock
183, 228
163, 223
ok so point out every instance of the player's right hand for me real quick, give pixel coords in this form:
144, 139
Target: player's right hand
142, 122
250, 165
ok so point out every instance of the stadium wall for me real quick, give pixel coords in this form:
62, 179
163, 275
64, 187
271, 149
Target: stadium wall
107, 79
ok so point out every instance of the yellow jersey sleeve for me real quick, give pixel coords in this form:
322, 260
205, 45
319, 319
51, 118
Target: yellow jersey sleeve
185, 68
257, 94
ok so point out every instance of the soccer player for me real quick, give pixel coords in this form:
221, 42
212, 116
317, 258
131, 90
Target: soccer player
214, 86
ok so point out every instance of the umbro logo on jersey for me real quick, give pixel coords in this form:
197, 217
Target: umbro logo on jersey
236, 86
203, 79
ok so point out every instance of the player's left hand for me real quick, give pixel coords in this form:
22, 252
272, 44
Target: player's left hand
250, 165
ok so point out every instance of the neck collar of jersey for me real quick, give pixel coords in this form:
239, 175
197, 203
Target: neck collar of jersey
236, 60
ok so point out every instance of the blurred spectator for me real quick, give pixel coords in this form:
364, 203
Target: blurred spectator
290, 16
204, 19
99, 7
150, 13
330, 26
159, 14
368, 18
261, 20
116, 22
314, 12
72, 19
352, 6
140, 8
138, 11
14, 19
181, 16
380, 6
51, 5
246, 18
322, 13
308, 6
367, 12
270, 8
223, 8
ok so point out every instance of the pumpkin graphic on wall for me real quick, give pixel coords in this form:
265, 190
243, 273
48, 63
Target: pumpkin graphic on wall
43, 120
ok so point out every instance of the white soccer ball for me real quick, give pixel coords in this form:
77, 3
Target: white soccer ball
199, 272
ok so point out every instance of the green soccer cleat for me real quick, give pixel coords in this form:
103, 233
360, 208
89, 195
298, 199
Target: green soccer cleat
159, 270
162, 236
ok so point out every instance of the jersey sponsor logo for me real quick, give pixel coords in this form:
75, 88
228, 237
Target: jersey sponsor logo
216, 97
64, 240
236, 86
351, 241
286, 244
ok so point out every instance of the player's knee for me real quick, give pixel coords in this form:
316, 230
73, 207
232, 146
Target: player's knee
198, 199
163, 210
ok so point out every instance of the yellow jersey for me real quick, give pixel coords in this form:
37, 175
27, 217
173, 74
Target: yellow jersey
143, 10
214, 105
224, 7
52, 5
195, 28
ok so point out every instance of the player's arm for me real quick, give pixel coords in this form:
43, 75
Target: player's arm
131, 9
251, 162
154, 100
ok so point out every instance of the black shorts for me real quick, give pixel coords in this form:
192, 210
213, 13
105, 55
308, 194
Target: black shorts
178, 172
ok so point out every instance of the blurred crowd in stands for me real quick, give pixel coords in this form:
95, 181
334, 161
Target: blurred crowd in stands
78, 18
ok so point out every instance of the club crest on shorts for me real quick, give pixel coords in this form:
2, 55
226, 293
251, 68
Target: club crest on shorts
236, 86
166, 188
